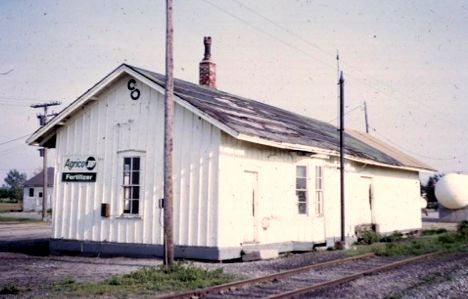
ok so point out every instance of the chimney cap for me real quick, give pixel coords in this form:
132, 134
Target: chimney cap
207, 67
207, 43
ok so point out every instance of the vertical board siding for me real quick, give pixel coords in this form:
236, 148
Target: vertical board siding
276, 199
396, 195
114, 126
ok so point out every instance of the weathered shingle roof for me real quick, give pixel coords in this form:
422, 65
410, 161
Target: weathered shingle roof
38, 179
263, 121
246, 120
389, 150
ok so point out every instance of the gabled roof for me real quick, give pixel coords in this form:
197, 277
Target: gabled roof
245, 119
38, 179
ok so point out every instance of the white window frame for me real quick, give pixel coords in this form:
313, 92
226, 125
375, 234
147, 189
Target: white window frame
129, 187
319, 188
303, 190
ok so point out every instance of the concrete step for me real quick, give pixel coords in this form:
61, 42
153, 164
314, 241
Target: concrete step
259, 254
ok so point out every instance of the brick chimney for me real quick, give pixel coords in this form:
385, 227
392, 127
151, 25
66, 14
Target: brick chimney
207, 67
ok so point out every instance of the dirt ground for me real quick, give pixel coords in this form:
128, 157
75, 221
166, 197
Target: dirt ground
443, 278
33, 275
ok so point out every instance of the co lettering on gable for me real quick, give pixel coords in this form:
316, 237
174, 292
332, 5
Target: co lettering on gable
134, 92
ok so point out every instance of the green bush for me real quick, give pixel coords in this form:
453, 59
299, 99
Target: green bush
9, 289
394, 237
447, 238
430, 232
462, 229
368, 237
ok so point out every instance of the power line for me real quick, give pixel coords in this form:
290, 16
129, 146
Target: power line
455, 157
18, 99
382, 87
13, 105
266, 33
347, 112
14, 150
17, 138
282, 28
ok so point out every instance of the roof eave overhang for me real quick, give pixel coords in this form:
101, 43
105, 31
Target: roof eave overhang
375, 163
311, 149
46, 132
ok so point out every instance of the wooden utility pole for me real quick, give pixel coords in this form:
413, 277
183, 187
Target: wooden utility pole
168, 142
42, 122
342, 165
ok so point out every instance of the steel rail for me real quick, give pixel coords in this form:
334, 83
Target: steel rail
271, 277
351, 277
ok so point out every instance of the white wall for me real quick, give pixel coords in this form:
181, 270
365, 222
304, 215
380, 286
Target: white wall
115, 126
396, 194
34, 203
276, 200
395, 203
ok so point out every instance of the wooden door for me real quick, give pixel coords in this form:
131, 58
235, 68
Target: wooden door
249, 206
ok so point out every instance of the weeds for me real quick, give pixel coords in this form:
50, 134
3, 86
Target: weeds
7, 218
462, 228
9, 289
147, 280
430, 232
429, 241
368, 237
394, 237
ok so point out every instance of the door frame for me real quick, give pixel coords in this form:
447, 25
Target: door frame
255, 199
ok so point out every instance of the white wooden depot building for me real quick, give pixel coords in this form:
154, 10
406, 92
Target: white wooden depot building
246, 174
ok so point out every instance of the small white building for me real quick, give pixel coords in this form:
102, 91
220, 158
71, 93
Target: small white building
33, 190
246, 174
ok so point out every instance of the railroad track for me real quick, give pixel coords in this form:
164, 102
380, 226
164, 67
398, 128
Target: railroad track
303, 280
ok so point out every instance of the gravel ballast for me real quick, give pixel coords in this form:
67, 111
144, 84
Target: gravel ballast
442, 277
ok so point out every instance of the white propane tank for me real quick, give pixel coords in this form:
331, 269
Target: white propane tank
452, 191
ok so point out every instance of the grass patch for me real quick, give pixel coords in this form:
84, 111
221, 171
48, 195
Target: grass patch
430, 232
9, 289
147, 281
394, 237
6, 218
429, 241
367, 237
8, 200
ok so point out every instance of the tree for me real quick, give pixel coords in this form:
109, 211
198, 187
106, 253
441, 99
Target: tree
428, 190
14, 183
5, 194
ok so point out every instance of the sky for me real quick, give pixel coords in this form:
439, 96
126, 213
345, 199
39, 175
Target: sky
406, 59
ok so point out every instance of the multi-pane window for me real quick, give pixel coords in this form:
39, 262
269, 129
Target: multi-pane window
131, 184
40, 194
319, 190
301, 189
31, 192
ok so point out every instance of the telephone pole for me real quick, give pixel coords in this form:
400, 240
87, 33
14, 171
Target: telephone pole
168, 142
342, 165
43, 152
